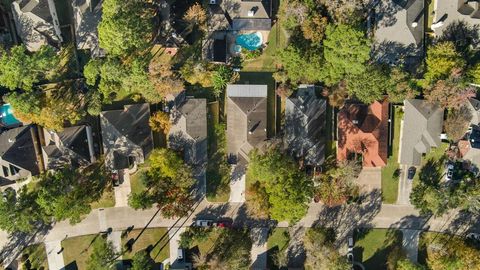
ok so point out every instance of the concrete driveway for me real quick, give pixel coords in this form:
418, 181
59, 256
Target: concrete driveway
123, 190
174, 236
410, 243
258, 253
237, 184
404, 186
54, 255
370, 179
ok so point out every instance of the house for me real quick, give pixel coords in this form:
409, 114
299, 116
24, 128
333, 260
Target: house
398, 31
37, 23
87, 15
449, 13
126, 136
231, 19
19, 154
188, 132
473, 105
246, 120
421, 130
304, 121
363, 130
72, 146
469, 147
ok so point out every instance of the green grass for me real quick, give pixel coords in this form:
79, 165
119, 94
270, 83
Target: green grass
34, 257
390, 173
277, 39
264, 78
77, 250
136, 184
373, 246
436, 154
107, 199
277, 242
206, 246
154, 240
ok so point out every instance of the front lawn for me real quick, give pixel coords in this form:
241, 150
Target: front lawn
107, 199
373, 246
437, 155
155, 240
391, 173
77, 250
34, 257
136, 184
277, 242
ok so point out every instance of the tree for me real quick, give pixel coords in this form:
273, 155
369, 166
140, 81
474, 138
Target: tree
102, 256
406, 264
197, 72
164, 80
336, 184
232, 250
19, 211
299, 66
287, 188
314, 27
442, 58
457, 123
25, 104
196, 15
345, 51
257, 203
337, 94
450, 252
125, 26
220, 78
160, 122
449, 94
321, 253
168, 182
402, 88
345, 11
369, 86
142, 261
292, 14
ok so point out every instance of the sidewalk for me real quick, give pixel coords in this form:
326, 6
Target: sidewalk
54, 256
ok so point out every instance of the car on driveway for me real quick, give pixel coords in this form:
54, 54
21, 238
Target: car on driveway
350, 244
411, 173
449, 173
204, 223
115, 178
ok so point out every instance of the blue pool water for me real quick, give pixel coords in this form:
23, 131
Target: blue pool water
6, 116
250, 41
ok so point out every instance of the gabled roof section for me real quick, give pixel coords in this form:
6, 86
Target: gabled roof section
75, 138
17, 148
422, 126
364, 129
87, 16
131, 123
304, 120
246, 118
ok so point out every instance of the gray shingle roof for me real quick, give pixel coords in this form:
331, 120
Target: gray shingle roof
16, 147
422, 126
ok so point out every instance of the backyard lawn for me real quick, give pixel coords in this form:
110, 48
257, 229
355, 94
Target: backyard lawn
277, 242
34, 257
76, 251
373, 246
277, 39
390, 173
156, 240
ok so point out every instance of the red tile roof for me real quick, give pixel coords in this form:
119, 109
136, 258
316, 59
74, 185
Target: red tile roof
363, 129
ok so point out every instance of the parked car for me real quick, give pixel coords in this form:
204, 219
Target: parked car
350, 244
224, 224
411, 172
474, 236
204, 223
115, 178
449, 173
180, 254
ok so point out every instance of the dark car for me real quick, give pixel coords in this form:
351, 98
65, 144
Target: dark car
115, 178
449, 173
411, 172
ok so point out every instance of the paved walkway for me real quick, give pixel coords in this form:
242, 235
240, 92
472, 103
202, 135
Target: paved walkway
410, 243
123, 190
116, 239
258, 253
404, 187
237, 185
54, 257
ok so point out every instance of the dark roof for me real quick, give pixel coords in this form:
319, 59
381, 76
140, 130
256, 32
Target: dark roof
41, 9
75, 139
16, 147
242, 24
131, 122
220, 50
304, 120
474, 137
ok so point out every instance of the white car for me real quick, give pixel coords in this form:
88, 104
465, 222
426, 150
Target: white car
350, 244
204, 223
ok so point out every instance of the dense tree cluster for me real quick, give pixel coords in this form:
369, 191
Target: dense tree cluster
282, 189
168, 183
321, 252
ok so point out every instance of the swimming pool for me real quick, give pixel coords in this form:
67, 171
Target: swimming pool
250, 41
6, 116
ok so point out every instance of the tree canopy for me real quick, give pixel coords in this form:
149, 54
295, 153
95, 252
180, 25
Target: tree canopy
287, 188
442, 59
370, 85
102, 256
126, 26
321, 252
